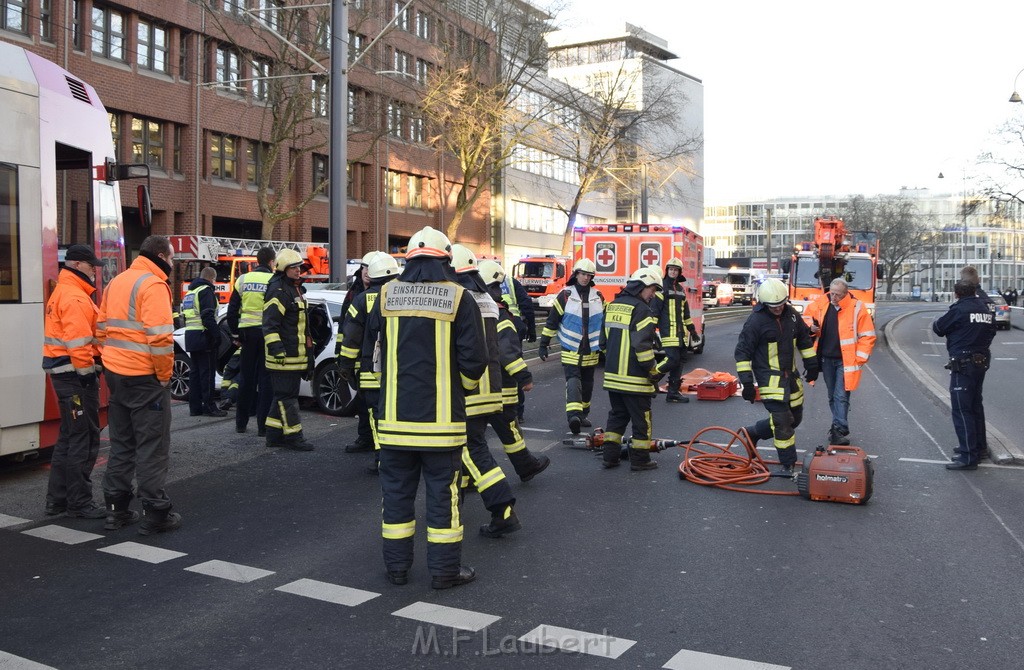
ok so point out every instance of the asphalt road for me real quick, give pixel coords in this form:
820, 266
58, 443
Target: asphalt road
278, 564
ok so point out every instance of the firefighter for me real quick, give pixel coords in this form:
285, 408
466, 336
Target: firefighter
576, 317
136, 328
432, 349
360, 283
846, 337
288, 348
484, 405
202, 341
969, 328
229, 381
772, 338
675, 327
70, 357
632, 372
245, 323
520, 307
355, 351
516, 379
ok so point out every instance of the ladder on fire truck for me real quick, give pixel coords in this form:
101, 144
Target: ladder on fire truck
210, 248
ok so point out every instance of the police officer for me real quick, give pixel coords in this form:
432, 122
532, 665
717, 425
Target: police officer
288, 348
631, 370
356, 351
576, 317
245, 322
969, 327
432, 348
675, 327
202, 340
360, 283
771, 340
70, 356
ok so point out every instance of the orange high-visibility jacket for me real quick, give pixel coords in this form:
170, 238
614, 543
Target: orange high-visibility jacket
135, 325
69, 336
856, 333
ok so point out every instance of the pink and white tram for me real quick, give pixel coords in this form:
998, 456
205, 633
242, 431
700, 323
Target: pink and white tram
55, 132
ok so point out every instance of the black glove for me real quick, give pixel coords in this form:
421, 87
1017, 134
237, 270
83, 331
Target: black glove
531, 335
89, 380
542, 350
276, 350
601, 358
749, 392
308, 374
811, 374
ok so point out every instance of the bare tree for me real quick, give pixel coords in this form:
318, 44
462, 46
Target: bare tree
902, 233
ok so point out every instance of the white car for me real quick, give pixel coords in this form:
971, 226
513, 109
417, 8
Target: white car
331, 393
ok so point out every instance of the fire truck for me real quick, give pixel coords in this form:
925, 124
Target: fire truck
620, 249
835, 253
543, 277
232, 257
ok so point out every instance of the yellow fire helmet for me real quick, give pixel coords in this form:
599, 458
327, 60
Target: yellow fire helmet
772, 292
585, 265
287, 258
491, 272
383, 265
463, 260
647, 276
429, 242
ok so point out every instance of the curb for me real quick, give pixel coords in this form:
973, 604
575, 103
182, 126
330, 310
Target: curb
1002, 450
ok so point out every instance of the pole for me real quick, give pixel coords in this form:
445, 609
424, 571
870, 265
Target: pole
339, 139
768, 237
643, 193
933, 267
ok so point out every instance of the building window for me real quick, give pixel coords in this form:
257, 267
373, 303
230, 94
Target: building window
319, 103
223, 157
152, 47
395, 119
422, 70
76, 24
228, 69
115, 133
423, 25
322, 38
148, 142
320, 172
260, 84
108, 33
401, 15
356, 45
417, 192
255, 154
401, 61
393, 184
46, 20
351, 106
268, 13
15, 15
357, 182
179, 132
234, 7
417, 129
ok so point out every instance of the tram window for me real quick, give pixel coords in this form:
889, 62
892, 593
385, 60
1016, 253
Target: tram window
10, 275
110, 232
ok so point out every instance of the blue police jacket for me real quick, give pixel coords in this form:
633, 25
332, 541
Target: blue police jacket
969, 327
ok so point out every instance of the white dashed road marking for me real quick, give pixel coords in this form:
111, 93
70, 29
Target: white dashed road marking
932, 461
567, 639
230, 571
6, 521
1004, 359
331, 593
447, 616
142, 552
695, 660
935, 355
61, 534
535, 430
12, 662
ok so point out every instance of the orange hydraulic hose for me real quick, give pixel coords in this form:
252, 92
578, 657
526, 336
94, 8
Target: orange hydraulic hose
715, 464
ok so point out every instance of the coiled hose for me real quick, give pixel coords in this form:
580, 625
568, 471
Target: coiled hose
714, 463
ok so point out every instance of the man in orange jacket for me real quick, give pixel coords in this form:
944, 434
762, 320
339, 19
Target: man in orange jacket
135, 327
70, 353
846, 336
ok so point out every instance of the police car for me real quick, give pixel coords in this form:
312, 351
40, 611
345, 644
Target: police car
330, 392
1002, 312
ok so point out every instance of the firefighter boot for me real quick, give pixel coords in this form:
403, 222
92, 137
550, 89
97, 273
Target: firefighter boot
118, 514
611, 454
158, 520
640, 460
526, 465
503, 522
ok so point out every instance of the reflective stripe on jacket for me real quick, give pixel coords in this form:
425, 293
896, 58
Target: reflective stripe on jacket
565, 320
248, 305
629, 334
767, 350
69, 335
485, 398
284, 326
856, 334
135, 325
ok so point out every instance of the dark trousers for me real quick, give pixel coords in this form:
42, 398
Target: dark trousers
139, 425
676, 357
968, 412
200, 381
783, 419
628, 408
364, 429
78, 443
579, 388
283, 422
400, 471
483, 470
255, 394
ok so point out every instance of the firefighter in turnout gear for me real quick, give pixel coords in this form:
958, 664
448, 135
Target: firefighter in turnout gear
969, 328
484, 405
675, 327
515, 379
288, 347
631, 371
202, 341
70, 356
431, 349
356, 351
772, 339
360, 283
245, 322
576, 317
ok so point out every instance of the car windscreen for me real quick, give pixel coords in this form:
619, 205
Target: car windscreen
536, 270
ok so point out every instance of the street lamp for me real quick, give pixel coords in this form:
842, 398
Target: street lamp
1014, 97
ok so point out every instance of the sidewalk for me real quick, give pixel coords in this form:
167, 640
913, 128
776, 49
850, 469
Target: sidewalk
998, 410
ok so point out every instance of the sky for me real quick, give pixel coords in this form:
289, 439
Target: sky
820, 98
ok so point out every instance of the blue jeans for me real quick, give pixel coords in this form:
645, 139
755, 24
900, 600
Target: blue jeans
838, 396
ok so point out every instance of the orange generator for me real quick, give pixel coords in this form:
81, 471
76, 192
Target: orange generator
836, 474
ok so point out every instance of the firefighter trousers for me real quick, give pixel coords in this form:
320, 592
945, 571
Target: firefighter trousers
675, 356
484, 471
783, 419
579, 387
283, 423
139, 425
400, 471
78, 443
255, 394
628, 408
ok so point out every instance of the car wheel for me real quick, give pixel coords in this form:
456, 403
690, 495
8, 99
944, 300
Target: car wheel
332, 392
179, 376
